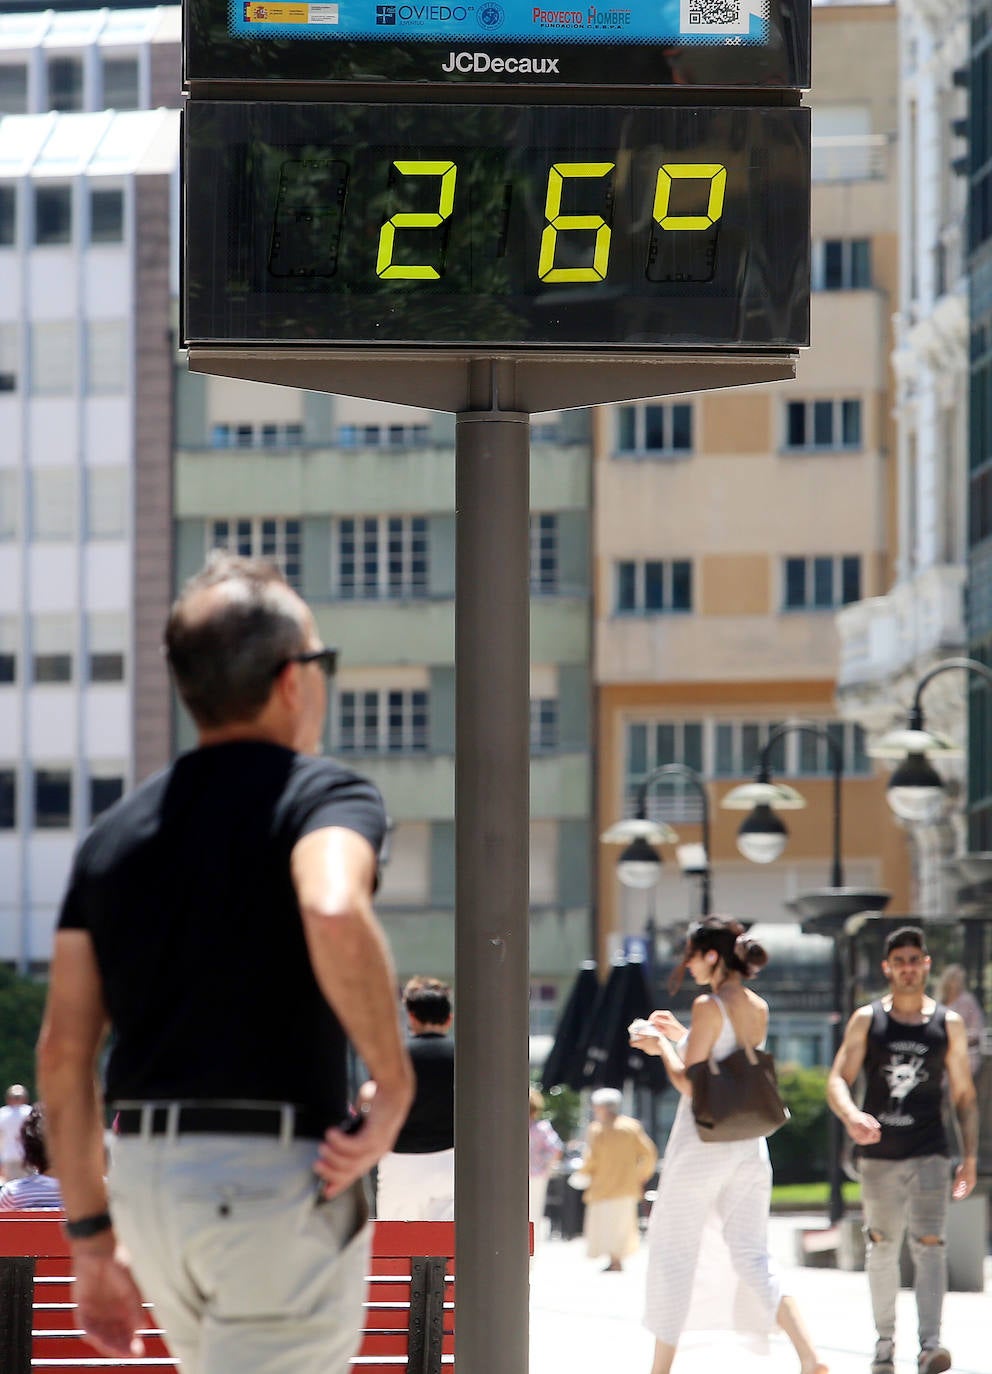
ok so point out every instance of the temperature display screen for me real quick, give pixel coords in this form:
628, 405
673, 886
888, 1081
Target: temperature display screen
495, 225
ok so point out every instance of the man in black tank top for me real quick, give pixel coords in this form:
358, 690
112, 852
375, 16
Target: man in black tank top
906, 1045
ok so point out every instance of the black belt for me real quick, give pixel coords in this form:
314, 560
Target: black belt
218, 1119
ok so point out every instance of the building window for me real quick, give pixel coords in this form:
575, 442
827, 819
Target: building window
9, 356
821, 584
13, 89
52, 799
53, 359
106, 357
106, 216
106, 637
832, 424
256, 436
842, 265
259, 537
543, 554
382, 556
543, 1015
9, 646
649, 746
654, 430
53, 504
10, 504
654, 586
8, 799
383, 436
383, 722
104, 792
543, 724
121, 86
52, 638
106, 503
65, 84
8, 215
728, 749
52, 215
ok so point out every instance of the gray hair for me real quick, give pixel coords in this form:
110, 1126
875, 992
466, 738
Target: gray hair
225, 650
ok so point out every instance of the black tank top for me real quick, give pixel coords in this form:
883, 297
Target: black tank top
904, 1067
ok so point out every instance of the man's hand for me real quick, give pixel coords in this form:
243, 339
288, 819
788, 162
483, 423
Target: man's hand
108, 1302
343, 1157
965, 1178
863, 1129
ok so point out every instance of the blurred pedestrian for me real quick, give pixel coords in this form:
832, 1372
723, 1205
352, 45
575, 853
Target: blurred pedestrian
952, 992
545, 1150
219, 920
38, 1188
12, 1116
714, 1192
906, 1044
417, 1177
619, 1159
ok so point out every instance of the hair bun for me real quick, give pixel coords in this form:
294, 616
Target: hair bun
750, 954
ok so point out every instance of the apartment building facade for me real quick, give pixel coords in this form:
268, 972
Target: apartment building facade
729, 527
356, 500
889, 641
88, 208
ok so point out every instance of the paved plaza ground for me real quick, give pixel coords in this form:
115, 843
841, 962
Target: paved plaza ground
584, 1320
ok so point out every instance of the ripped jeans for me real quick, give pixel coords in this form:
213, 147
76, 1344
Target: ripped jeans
896, 1194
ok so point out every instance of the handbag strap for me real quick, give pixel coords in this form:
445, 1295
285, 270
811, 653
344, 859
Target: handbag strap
749, 1049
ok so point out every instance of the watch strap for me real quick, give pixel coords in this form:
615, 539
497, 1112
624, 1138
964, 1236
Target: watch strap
84, 1227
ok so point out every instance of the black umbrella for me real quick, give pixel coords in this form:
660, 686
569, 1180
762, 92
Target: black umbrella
568, 1052
610, 1060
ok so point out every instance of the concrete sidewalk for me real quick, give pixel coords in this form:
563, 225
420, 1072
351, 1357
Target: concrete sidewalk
585, 1320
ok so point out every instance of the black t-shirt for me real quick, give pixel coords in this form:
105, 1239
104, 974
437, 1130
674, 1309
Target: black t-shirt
430, 1125
904, 1072
184, 888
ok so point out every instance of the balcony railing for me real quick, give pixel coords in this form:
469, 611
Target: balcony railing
886, 634
850, 157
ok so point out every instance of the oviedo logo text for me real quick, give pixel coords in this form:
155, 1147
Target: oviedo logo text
482, 62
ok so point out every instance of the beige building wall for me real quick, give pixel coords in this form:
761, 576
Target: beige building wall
743, 500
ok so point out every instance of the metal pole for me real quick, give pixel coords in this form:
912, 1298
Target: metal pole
491, 888
835, 1135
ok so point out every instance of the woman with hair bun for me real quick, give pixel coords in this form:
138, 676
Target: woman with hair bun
709, 1223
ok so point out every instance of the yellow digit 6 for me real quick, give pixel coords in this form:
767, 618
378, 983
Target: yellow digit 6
713, 172
558, 222
418, 219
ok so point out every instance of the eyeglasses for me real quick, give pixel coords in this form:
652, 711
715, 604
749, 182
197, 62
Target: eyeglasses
326, 660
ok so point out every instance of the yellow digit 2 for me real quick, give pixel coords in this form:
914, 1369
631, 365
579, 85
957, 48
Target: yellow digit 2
416, 219
559, 223
713, 172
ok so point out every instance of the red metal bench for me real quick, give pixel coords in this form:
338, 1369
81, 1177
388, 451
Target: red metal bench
409, 1311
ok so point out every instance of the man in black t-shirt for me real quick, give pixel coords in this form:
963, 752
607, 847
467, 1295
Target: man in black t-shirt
219, 922
417, 1179
906, 1044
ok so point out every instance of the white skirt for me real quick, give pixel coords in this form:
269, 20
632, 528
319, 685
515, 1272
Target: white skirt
611, 1227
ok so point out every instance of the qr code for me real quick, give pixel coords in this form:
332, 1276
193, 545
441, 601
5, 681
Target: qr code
698, 17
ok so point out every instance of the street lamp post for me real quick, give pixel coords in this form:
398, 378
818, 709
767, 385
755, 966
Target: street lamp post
915, 789
823, 911
640, 863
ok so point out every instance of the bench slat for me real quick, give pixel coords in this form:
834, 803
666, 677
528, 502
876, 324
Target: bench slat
400, 1252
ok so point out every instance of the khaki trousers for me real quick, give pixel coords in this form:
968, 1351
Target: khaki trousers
248, 1272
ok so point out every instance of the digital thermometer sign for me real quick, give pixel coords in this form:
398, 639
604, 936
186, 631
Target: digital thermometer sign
496, 226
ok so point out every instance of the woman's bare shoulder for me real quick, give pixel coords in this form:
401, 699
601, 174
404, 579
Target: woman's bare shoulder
704, 1007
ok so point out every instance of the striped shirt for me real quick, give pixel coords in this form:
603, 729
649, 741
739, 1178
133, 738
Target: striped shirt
32, 1193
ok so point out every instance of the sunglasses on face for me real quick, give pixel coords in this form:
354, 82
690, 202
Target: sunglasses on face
326, 660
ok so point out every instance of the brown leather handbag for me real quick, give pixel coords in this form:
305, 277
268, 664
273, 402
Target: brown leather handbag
737, 1098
